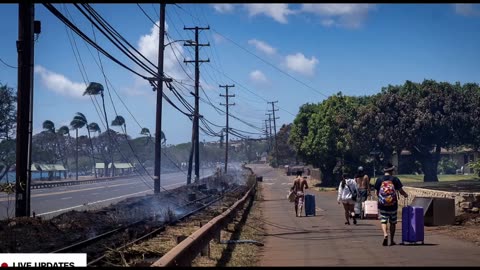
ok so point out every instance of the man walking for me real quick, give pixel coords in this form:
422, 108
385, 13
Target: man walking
363, 184
299, 186
387, 187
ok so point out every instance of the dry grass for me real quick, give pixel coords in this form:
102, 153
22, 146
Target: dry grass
238, 254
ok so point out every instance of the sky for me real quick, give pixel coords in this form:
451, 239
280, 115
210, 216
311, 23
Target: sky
290, 53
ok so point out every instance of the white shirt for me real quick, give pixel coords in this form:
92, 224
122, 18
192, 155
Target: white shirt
345, 194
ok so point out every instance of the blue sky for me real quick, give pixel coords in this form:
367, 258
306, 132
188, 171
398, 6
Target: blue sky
353, 48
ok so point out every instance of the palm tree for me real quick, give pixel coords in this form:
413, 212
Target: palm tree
120, 121
49, 126
77, 123
93, 89
83, 118
62, 131
93, 127
146, 132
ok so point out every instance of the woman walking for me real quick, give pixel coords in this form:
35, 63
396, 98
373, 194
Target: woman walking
347, 193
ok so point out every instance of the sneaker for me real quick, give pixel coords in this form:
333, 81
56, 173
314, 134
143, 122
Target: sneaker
385, 241
392, 243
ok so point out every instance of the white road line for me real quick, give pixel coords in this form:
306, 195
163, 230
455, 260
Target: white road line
66, 198
73, 207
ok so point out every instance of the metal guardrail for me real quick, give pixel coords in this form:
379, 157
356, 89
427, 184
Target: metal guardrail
75, 182
185, 252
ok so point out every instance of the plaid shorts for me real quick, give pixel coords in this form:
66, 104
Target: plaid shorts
388, 215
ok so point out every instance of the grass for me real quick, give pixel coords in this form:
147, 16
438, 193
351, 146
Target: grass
412, 178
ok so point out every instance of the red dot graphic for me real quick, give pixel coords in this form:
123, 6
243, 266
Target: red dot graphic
4, 264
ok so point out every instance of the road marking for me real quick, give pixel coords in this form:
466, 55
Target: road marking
72, 191
66, 198
285, 183
73, 207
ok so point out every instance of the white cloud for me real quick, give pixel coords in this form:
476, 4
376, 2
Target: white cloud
262, 46
278, 12
300, 64
223, 8
60, 84
217, 38
466, 9
258, 77
328, 22
347, 15
148, 46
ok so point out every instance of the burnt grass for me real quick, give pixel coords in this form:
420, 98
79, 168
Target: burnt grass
37, 235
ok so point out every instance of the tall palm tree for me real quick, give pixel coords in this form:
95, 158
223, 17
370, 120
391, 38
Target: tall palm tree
83, 118
77, 123
120, 121
93, 127
94, 89
62, 131
49, 126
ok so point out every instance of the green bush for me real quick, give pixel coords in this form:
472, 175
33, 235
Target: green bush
446, 166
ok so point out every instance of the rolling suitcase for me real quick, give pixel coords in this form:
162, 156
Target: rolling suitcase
309, 205
412, 224
370, 209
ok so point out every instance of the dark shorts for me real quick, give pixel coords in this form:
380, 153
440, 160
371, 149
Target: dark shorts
362, 194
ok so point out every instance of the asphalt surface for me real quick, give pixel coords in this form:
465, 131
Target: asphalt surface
324, 239
54, 201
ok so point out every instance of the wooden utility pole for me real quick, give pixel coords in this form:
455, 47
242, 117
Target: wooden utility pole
275, 129
270, 133
227, 127
158, 120
196, 141
25, 50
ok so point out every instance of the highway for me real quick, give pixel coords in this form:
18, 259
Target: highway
50, 202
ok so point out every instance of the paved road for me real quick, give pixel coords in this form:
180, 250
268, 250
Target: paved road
324, 240
53, 201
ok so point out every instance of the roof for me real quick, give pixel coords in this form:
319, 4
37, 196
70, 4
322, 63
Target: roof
444, 151
121, 165
35, 167
117, 165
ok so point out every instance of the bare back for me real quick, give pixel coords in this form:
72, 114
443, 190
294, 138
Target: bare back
362, 182
300, 185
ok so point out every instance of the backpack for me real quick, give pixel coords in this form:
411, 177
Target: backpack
387, 196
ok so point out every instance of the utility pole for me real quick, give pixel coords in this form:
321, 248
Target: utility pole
275, 129
270, 127
197, 62
158, 120
267, 137
227, 129
25, 49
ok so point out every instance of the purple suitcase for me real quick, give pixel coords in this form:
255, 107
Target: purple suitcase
412, 224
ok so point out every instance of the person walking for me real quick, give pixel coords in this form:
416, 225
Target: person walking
386, 187
363, 184
347, 194
298, 188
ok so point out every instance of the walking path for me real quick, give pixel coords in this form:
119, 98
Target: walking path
324, 240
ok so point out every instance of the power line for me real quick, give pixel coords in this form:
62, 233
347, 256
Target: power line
10, 66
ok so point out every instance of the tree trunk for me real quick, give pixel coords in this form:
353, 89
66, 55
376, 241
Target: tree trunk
328, 177
76, 154
93, 155
108, 133
429, 163
7, 168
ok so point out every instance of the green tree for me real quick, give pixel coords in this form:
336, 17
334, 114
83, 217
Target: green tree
422, 118
322, 134
286, 152
78, 122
